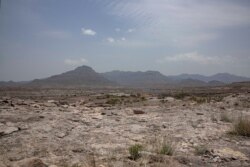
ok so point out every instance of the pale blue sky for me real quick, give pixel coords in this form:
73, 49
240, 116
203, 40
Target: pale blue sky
39, 38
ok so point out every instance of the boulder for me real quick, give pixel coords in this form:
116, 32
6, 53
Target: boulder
8, 130
30, 162
228, 153
138, 111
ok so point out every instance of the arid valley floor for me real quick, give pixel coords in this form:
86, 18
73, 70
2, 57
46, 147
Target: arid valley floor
100, 128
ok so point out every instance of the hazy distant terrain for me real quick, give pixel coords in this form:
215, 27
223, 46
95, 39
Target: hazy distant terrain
137, 78
86, 76
221, 77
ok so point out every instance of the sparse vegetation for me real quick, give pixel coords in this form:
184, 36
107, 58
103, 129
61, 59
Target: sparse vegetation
163, 146
123, 100
213, 118
206, 98
224, 117
167, 149
143, 98
176, 133
200, 99
163, 95
218, 98
113, 101
241, 127
201, 150
134, 151
181, 95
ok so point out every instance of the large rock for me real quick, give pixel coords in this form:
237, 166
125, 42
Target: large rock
137, 111
228, 153
30, 162
7, 130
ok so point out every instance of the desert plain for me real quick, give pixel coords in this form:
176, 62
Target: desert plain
118, 127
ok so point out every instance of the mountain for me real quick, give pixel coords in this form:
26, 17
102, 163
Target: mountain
155, 78
189, 76
191, 83
221, 77
81, 76
228, 78
85, 76
140, 79
215, 83
12, 83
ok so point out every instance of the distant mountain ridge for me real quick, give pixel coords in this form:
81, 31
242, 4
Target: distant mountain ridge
221, 77
12, 83
148, 78
138, 78
86, 76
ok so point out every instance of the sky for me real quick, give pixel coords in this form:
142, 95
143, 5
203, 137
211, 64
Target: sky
40, 38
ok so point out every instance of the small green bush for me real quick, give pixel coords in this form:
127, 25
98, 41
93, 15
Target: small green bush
199, 99
113, 101
134, 151
143, 98
167, 149
218, 98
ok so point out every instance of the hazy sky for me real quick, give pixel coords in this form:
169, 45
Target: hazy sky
39, 38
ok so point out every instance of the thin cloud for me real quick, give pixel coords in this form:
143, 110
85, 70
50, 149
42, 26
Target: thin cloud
117, 42
74, 62
209, 14
192, 40
88, 32
111, 40
192, 57
131, 30
168, 21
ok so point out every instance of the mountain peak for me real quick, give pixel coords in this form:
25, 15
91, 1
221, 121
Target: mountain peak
83, 67
153, 72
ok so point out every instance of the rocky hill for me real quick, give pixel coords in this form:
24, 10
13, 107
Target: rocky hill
81, 76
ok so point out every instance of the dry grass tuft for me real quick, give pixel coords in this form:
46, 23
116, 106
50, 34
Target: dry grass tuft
201, 150
241, 127
134, 151
167, 149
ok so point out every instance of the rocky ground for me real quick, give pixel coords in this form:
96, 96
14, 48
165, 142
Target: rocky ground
96, 129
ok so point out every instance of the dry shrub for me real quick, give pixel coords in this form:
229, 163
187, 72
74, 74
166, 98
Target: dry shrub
134, 151
201, 150
241, 127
